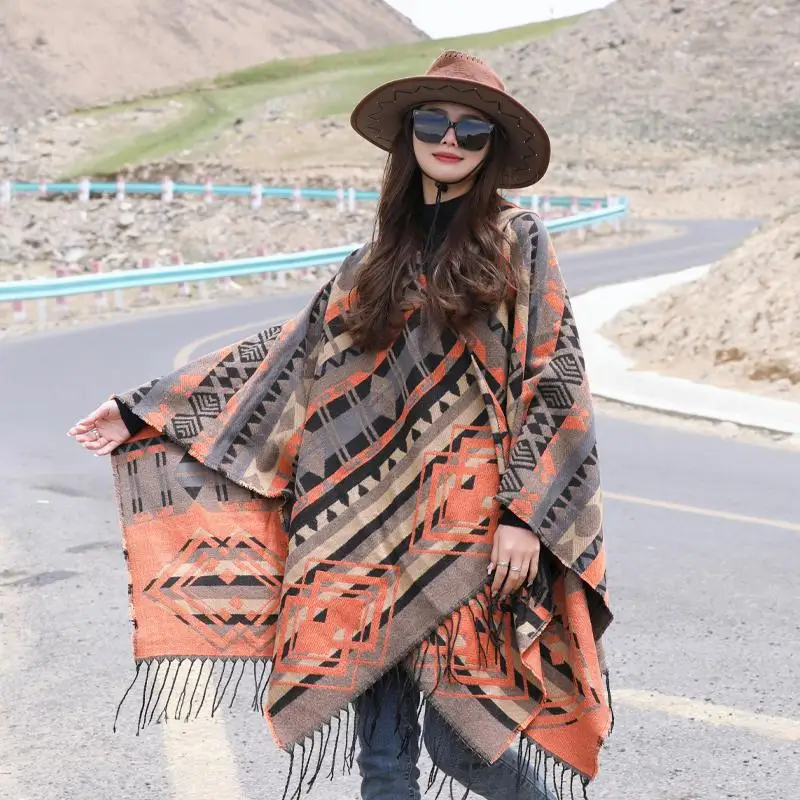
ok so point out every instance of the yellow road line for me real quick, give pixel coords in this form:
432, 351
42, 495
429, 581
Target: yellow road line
184, 355
197, 750
703, 711
705, 512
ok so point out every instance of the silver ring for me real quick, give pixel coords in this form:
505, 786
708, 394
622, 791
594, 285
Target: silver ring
96, 434
515, 569
502, 563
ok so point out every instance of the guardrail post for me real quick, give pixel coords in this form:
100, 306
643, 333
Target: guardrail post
119, 298
226, 284
297, 196
41, 310
43, 186
183, 287
146, 291
340, 199
617, 222
535, 203
84, 190
262, 277
167, 190
61, 301
351, 199
100, 298
222, 283
597, 205
256, 196
280, 281
120, 189
5, 193
20, 313
545, 206
208, 192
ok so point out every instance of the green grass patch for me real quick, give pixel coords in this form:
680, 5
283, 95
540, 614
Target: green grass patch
394, 60
342, 79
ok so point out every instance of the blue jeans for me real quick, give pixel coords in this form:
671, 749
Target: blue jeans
388, 734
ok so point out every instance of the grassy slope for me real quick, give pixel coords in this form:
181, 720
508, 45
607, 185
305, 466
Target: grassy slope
344, 77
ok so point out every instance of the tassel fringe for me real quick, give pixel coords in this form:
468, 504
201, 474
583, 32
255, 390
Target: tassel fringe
180, 688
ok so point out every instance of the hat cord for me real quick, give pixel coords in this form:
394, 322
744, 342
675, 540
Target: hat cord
441, 188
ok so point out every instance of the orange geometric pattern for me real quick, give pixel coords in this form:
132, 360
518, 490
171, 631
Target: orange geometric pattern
331, 623
455, 498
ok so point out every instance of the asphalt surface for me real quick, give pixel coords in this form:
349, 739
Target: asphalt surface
704, 545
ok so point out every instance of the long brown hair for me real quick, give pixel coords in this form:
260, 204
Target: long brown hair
470, 278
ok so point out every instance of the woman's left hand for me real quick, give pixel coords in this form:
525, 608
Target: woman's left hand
515, 558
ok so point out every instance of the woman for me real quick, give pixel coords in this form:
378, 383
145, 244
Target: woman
393, 498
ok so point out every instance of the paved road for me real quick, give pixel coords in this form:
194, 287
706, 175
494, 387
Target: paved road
704, 543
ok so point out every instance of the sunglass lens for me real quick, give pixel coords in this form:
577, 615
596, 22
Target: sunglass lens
430, 126
473, 134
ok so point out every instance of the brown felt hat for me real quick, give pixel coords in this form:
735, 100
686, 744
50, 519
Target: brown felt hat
459, 78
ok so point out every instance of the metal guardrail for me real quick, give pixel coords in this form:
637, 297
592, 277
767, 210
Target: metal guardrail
85, 188
14, 291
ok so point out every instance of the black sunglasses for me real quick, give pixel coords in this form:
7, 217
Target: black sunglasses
431, 126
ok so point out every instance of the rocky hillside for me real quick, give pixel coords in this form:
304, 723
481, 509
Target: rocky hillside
73, 53
710, 75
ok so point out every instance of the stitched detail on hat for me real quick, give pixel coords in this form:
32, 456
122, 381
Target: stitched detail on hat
458, 64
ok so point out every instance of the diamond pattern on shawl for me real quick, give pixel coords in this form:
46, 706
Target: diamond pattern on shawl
331, 623
454, 500
219, 587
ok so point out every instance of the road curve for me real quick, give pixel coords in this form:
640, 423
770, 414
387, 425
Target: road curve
703, 534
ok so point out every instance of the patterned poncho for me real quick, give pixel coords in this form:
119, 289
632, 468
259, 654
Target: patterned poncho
315, 515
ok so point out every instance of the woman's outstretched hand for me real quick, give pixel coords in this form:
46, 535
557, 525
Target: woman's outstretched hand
101, 431
514, 560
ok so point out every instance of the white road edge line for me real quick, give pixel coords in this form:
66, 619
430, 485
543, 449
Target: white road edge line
782, 728
704, 512
612, 374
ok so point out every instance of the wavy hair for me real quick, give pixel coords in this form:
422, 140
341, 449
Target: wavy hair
468, 274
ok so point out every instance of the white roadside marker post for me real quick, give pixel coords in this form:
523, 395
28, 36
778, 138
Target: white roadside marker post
62, 308
100, 298
18, 309
167, 190
256, 196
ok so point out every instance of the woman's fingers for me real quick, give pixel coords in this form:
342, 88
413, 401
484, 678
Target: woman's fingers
533, 567
95, 444
514, 559
500, 573
88, 422
102, 446
517, 572
107, 448
495, 556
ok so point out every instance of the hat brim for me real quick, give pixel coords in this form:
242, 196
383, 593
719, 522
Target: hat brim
379, 116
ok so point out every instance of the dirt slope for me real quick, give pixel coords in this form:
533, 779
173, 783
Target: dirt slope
739, 326
68, 53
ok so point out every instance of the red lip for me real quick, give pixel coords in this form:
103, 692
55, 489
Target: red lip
450, 158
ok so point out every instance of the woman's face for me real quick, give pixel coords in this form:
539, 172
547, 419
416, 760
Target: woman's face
445, 160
